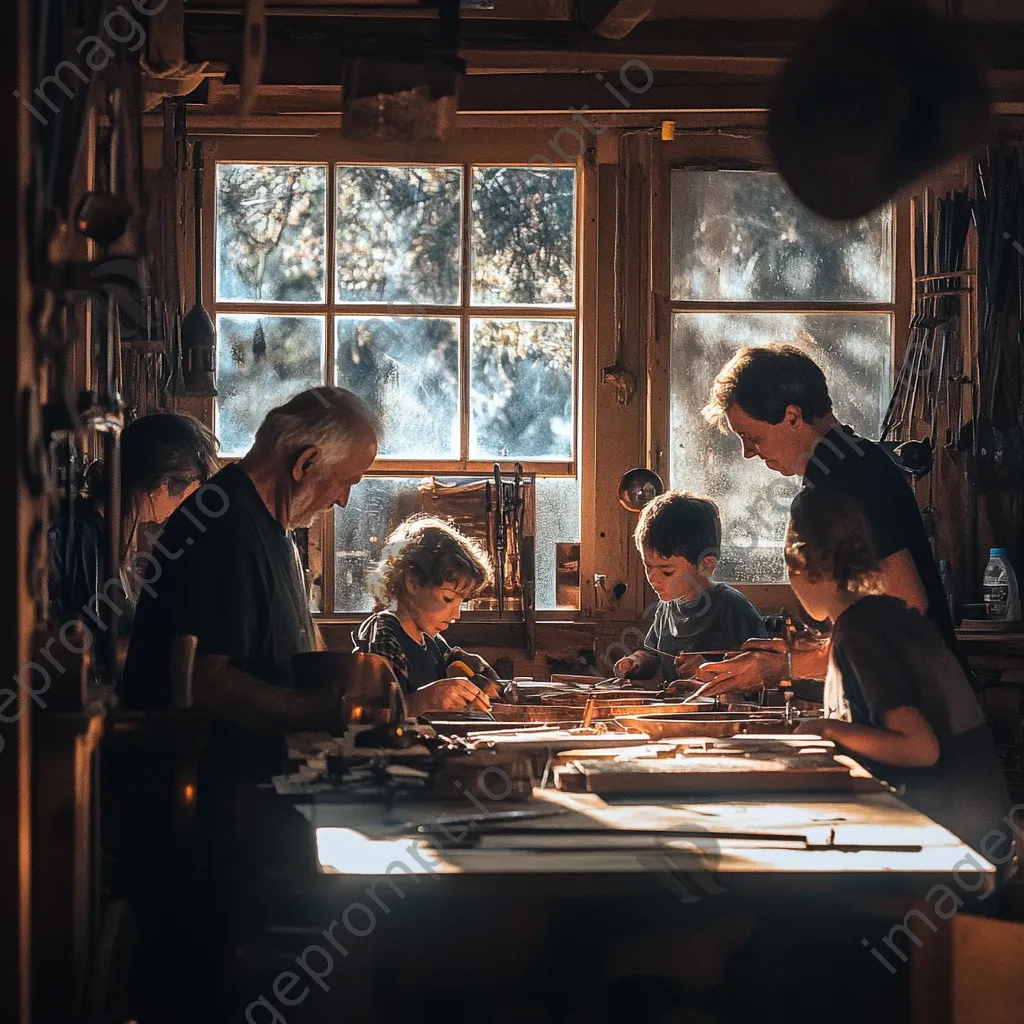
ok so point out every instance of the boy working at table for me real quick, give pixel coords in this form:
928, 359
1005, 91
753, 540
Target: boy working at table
679, 537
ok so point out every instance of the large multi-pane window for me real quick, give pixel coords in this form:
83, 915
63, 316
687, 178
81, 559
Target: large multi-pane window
444, 295
749, 266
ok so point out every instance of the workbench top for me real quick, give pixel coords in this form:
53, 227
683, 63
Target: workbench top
857, 833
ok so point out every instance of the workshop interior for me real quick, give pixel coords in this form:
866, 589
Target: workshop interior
516, 508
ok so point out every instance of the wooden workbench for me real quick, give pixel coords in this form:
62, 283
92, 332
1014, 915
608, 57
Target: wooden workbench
564, 919
843, 836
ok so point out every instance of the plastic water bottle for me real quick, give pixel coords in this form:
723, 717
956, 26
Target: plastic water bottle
1002, 600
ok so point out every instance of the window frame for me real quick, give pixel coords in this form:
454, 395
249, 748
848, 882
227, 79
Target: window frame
745, 151
467, 149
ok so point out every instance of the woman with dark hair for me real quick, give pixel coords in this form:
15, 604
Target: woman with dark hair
164, 457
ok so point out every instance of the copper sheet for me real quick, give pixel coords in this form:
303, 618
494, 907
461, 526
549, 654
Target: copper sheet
454, 723
579, 698
532, 712
707, 723
605, 709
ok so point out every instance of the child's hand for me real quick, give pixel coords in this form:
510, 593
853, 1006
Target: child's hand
626, 665
686, 664
487, 686
448, 695
631, 667
473, 662
466, 665
640, 665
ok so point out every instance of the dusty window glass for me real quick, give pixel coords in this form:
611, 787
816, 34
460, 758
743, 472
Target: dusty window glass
261, 362
397, 234
271, 227
741, 236
558, 522
521, 389
378, 504
524, 238
407, 370
853, 350
375, 507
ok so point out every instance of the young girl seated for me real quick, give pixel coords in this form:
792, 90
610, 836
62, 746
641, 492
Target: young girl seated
427, 569
896, 697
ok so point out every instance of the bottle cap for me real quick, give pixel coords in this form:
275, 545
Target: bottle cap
997, 552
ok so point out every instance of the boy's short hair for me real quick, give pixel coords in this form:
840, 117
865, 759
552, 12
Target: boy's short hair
435, 553
764, 381
679, 524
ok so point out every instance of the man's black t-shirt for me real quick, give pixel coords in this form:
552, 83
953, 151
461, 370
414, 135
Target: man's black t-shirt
863, 473
884, 656
226, 572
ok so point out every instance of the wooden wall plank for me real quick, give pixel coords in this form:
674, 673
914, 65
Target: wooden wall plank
18, 370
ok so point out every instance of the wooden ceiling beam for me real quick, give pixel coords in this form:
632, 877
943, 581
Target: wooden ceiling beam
581, 62
543, 94
501, 45
537, 100
519, 10
558, 95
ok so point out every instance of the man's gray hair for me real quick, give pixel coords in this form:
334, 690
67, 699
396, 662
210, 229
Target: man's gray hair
327, 417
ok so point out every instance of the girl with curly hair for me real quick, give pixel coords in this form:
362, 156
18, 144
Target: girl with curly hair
427, 569
896, 696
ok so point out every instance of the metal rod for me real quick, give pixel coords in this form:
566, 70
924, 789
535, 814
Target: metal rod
679, 654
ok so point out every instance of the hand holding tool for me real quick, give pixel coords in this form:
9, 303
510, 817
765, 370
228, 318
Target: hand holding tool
460, 670
476, 664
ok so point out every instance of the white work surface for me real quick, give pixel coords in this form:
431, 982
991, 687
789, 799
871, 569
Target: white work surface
817, 834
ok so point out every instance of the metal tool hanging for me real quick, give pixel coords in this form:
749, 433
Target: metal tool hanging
506, 509
995, 437
198, 334
931, 376
175, 154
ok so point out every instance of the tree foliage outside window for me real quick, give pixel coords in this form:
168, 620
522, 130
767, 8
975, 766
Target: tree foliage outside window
397, 234
261, 362
524, 238
271, 225
741, 236
407, 370
521, 385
